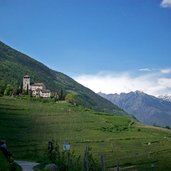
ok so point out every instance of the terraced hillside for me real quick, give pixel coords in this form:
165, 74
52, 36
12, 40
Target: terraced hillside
28, 124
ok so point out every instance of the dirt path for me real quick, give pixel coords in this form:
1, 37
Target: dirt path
26, 165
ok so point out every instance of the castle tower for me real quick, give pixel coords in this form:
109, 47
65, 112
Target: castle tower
26, 82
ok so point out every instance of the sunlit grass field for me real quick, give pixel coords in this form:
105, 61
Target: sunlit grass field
29, 124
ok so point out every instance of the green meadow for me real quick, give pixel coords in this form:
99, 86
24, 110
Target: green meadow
28, 124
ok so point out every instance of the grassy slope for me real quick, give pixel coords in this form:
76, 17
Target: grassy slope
4, 165
14, 65
28, 126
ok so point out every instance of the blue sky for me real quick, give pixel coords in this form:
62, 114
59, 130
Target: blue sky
124, 43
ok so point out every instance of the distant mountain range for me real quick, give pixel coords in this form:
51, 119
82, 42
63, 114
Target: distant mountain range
14, 65
146, 108
165, 97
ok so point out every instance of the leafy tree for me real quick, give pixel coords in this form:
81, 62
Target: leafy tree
55, 96
9, 90
167, 127
89, 163
71, 98
62, 94
2, 86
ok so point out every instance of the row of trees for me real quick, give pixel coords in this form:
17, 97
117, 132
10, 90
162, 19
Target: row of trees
9, 89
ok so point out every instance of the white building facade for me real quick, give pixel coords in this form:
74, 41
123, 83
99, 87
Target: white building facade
36, 89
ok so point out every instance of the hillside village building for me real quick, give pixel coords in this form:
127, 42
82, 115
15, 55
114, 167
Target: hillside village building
36, 89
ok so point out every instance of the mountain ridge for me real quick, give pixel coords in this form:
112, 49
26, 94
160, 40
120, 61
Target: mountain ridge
146, 108
14, 65
166, 97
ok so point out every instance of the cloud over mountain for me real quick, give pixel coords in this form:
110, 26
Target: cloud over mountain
155, 82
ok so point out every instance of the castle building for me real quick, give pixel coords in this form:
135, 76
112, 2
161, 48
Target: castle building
26, 82
37, 89
36, 86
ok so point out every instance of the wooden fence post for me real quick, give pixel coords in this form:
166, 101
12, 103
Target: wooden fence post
117, 167
102, 163
85, 164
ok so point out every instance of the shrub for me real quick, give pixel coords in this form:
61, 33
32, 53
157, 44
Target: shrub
68, 161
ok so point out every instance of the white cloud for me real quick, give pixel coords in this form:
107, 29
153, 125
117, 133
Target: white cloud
145, 70
166, 71
166, 3
165, 82
150, 82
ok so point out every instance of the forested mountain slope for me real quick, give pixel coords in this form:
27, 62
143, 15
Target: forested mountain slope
14, 65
